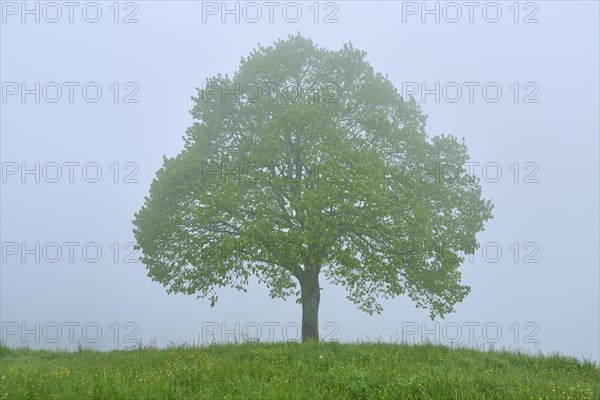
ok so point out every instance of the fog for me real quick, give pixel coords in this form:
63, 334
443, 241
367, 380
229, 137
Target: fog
93, 96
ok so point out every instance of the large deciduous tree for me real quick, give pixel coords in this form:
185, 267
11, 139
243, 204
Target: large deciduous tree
308, 163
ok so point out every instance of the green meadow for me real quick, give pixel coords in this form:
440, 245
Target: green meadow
326, 370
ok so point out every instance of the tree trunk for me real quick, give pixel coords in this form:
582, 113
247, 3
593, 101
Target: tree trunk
310, 297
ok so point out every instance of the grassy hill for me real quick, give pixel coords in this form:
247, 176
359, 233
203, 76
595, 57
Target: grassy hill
293, 370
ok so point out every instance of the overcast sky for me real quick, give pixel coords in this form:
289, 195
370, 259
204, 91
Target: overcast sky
94, 95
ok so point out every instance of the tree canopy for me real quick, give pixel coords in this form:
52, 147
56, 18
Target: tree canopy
308, 163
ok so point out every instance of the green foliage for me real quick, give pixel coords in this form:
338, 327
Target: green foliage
330, 178
294, 371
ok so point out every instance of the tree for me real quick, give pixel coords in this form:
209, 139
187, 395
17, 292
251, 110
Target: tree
309, 163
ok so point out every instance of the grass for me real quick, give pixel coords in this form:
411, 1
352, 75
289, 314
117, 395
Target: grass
294, 371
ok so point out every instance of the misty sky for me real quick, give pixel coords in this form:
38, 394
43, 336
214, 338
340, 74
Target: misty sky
519, 81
